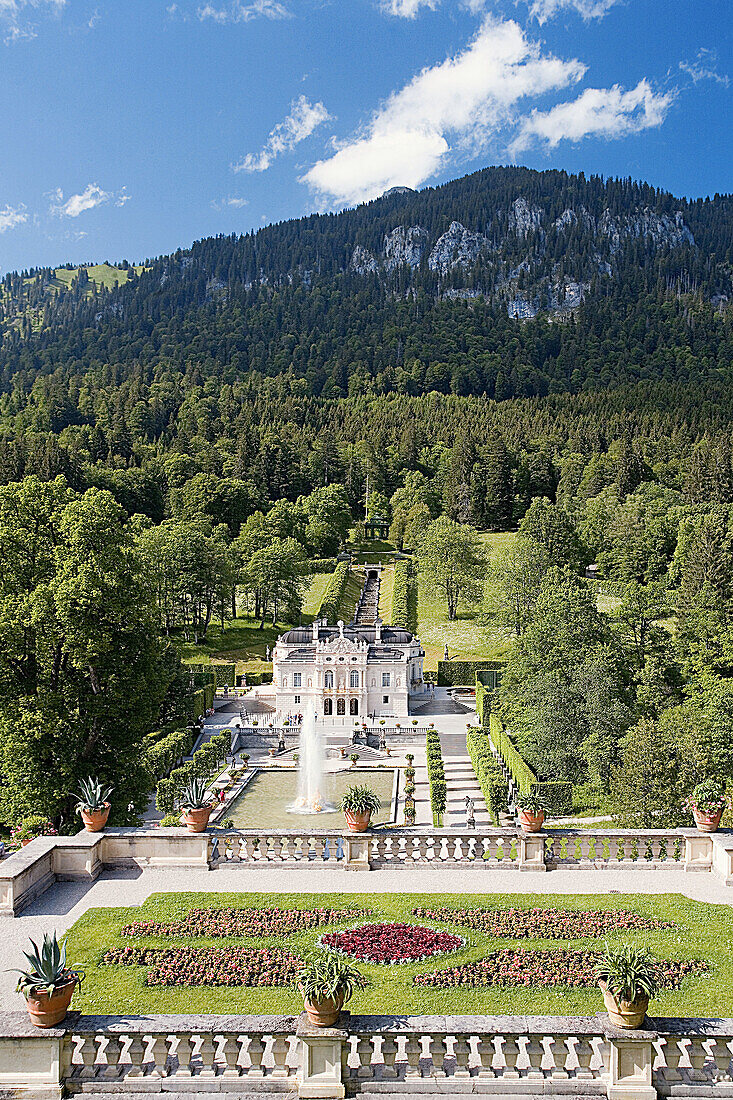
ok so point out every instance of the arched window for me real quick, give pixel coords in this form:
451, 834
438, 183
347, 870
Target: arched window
327, 706
353, 706
328, 680
354, 678
341, 706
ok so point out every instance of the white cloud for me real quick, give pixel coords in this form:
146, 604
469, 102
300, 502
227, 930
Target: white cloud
11, 217
407, 9
598, 112
466, 98
232, 200
704, 68
303, 119
16, 16
88, 199
542, 10
239, 12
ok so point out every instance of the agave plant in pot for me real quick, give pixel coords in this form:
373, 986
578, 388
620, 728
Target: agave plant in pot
629, 978
48, 984
93, 804
531, 812
196, 806
707, 803
358, 804
327, 981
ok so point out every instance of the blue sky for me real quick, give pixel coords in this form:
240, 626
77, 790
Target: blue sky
133, 127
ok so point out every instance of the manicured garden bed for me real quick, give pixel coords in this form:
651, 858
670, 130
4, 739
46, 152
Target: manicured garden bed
235, 953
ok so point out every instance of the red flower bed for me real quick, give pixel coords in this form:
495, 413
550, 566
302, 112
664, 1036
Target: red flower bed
542, 968
543, 924
388, 942
218, 923
208, 965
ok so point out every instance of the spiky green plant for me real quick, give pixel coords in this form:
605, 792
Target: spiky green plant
360, 800
47, 970
328, 976
531, 803
92, 795
193, 795
629, 972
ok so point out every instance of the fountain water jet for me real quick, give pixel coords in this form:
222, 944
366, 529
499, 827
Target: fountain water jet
311, 769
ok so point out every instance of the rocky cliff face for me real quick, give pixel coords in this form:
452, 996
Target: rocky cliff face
524, 258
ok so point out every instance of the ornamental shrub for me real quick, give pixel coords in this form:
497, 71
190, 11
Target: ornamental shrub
455, 673
404, 596
436, 775
334, 593
490, 778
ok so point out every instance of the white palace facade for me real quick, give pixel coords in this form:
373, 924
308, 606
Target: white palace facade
347, 671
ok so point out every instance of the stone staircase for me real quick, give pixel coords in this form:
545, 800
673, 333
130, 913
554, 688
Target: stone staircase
461, 781
368, 606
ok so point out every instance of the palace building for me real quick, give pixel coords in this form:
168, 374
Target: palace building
347, 671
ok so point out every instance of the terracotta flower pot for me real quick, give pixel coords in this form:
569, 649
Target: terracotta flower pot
95, 820
357, 823
323, 1013
23, 843
47, 1011
626, 1014
531, 823
706, 823
197, 820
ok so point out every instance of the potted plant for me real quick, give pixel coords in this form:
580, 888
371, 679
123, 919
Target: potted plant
48, 984
707, 802
296, 757
409, 773
245, 761
387, 750
414, 721
409, 757
531, 812
628, 977
359, 803
31, 827
409, 789
342, 751
93, 804
327, 981
354, 758
196, 806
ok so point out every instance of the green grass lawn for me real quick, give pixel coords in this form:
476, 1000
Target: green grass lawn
469, 636
386, 588
701, 931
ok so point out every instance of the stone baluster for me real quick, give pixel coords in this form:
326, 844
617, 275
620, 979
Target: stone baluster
256, 1051
285, 854
698, 1055
462, 1053
207, 1054
248, 843
511, 1054
184, 1051
365, 1052
159, 1052
486, 1052
280, 1056
437, 1053
136, 1054
535, 1052
230, 1054
413, 1051
389, 1054
112, 1054
88, 1054
559, 1055
584, 1051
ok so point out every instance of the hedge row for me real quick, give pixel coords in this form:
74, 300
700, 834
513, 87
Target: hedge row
206, 760
320, 565
334, 593
163, 754
556, 794
461, 673
404, 597
256, 679
483, 703
494, 786
436, 776
223, 673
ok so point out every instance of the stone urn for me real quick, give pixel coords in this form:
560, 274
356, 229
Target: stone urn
95, 820
628, 1015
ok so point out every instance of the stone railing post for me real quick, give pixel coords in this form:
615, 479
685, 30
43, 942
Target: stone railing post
321, 1054
356, 851
631, 1056
31, 1061
698, 850
531, 851
722, 857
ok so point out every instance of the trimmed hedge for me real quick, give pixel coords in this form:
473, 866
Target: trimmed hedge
483, 702
204, 762
256, 679
162, 754
494, 786
334, 592
404, 597
557, 794
223, 673
320, 565
436, 776
462, 673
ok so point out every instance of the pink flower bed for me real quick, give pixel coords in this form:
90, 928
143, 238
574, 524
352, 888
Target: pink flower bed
543, 968
388, 942
208, 965
543, 924
218, 923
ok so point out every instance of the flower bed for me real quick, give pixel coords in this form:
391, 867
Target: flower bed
546, 968
544, 924
218, 923
392, 942
208, 965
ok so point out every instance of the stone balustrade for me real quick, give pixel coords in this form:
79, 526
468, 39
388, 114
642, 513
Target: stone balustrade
520, 1056
27, 873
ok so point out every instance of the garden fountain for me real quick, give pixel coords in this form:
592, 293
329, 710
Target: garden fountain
311, 768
